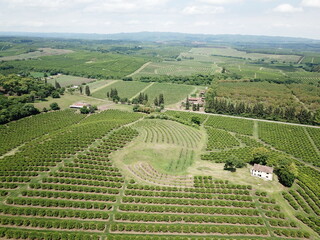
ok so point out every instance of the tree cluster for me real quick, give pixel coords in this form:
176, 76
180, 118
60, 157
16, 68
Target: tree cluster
258, 110
17, 91
232, 163
159, 101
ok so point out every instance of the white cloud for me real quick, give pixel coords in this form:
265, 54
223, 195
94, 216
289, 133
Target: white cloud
287, 8
203, 23
219, 2
282, 25
125, 6
311, 3
133, 22
203, 9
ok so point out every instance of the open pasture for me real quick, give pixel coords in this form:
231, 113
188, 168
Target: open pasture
65, 80
68, 99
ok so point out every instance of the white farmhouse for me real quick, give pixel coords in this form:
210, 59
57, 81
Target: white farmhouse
261, 171
79, 105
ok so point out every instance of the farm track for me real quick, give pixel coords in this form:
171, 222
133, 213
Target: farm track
301, 59
106, 85
311, 141
246, 118
298, 100
144, 89
139, 70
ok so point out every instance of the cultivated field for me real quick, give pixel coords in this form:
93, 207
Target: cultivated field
41, 52
117, 175
230, 52
173, 93
178, 68
271, 94
125, 89
84, 64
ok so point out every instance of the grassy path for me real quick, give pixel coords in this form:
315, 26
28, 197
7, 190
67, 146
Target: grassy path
297, 99
142, 90
301, 59
311, 141
139, 70
12, 151
255, 130
108, 84
246, 118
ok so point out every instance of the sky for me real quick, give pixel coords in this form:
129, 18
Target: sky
295, 18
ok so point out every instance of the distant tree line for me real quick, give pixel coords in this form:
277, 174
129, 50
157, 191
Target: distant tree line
198, 79
277, 81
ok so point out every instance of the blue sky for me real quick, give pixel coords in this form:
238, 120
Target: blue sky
297, 18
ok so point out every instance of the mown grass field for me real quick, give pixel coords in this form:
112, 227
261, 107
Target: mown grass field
173, 93
125, 89
68, 99
65, 80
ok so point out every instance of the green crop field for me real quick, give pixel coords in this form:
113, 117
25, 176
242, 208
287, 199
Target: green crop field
270, 94
178, 68
41, 52
118, 175
172, 93
83, 63
230, 52
125, 89
65, 80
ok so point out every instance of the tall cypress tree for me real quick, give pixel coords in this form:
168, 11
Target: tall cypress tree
161, 99
88, 91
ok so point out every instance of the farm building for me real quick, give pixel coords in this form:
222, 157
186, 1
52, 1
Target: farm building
79, 105
261, 171
196, 100
202, 93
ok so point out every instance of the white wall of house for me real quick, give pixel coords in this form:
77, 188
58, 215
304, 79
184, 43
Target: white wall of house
264, 175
